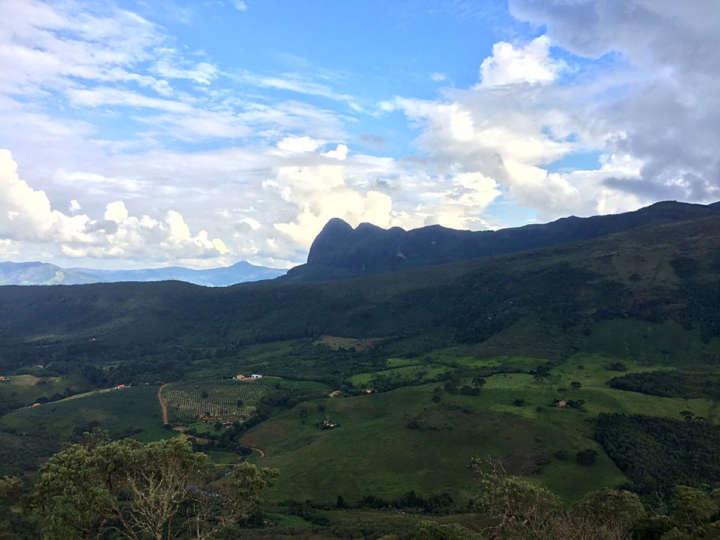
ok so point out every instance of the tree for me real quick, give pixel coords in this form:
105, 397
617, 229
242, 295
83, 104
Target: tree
516, 506
620, 509
157, 490
691, 508
11, 493
478, 381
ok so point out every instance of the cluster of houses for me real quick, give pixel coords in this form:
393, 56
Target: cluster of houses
243, 378
3, 378
226, 422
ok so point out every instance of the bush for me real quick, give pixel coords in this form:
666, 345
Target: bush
586, 457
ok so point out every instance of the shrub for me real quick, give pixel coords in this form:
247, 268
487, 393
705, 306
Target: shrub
586, 457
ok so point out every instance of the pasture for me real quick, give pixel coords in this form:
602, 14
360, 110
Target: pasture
422, 437
129, 412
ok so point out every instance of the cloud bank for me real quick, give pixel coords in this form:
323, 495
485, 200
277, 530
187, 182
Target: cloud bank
136, 148
26, 214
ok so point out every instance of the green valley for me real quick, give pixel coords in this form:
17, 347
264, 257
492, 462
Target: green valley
378, 393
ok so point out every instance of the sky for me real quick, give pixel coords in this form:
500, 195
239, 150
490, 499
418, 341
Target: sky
146, 133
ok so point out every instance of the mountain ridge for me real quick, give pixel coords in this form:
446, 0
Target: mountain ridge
40, 273
339, 251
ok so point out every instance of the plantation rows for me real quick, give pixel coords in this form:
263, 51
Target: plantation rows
186, 403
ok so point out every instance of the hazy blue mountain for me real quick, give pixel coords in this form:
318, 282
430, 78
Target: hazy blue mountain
340, 251
38, 273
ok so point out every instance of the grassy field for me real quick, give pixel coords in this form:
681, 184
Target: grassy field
410, 373
25, 389
419, 436
389, 443
128, 412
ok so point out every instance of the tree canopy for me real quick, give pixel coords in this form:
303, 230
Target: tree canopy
159, 490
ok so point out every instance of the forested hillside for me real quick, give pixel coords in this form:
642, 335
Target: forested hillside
666, 272
340, 251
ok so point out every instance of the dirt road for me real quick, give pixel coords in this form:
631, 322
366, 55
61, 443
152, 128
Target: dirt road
163, 407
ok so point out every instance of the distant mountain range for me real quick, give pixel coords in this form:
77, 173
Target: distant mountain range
340, 251
38, 273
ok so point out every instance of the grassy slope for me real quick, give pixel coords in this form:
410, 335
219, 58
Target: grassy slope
373, 451
132, 411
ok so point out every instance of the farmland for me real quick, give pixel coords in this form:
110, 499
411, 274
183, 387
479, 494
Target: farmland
514, 417
224, 402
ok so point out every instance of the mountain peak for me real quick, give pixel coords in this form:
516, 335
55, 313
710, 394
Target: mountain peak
340, 250
329, 240
336, 225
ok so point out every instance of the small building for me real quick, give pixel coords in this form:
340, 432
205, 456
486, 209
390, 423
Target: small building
256, 376
3, 378
369, 390
121, 386
240, 378
562, 403
36, 404
327, 424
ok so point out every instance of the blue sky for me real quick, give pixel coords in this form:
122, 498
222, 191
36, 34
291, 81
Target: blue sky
148, 133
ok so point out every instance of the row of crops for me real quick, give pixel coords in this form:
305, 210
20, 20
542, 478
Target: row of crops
223, 403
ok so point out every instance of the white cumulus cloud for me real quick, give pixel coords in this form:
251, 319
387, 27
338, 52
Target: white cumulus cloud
26, 214
531, 64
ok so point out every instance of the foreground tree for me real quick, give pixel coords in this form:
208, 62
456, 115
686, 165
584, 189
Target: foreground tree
616, 509
159, 490
517, 508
